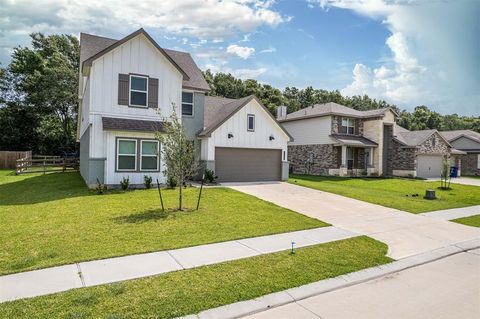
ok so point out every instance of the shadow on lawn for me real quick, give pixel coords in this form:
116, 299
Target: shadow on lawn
43, 188
144, 217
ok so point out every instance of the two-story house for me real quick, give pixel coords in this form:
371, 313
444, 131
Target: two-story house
127, 91
332, 139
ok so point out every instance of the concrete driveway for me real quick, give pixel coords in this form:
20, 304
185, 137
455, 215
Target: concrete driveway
466, 181
405, 234
447, 288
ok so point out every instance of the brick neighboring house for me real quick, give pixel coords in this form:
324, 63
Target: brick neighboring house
469, 142
332, 139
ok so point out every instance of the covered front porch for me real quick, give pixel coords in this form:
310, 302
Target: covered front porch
355, 155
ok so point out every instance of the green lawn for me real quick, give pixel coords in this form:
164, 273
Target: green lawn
394, 192
469, 221
191, 291
53, 219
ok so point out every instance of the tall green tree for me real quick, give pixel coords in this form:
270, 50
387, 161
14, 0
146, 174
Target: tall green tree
43, 78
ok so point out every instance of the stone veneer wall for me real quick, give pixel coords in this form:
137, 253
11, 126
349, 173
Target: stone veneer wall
469, 164
325, 157
403, 158
434, 145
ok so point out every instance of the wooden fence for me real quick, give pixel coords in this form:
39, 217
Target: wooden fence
44, 164
8, 160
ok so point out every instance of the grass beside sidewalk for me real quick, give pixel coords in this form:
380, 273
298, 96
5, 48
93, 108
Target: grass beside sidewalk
394, 192
469, 221
53, 219
191, 291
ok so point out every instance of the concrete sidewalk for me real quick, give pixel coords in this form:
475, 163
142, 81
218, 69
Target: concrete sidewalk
454, 213
460, 180
406, 234
97, 272
446, 288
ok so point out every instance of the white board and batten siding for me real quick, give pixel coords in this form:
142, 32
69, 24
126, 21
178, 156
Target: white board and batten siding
114, 177
137, 56
265, 127
310, 131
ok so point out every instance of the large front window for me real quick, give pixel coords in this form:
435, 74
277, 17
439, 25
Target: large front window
134, 155
149, 156
138, 90
187, 103
126, 155
348, 126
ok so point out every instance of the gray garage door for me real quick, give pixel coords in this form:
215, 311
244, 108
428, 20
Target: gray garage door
247, 164
429, 166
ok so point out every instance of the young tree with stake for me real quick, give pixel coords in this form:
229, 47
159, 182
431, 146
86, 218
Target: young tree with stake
178, 153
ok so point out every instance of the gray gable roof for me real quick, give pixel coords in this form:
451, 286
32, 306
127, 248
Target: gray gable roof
332, 108
416, 138
453, 135
185, 61
92, 47
220, 109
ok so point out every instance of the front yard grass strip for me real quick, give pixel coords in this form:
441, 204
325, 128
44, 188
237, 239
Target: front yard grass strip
53, 219
191, 291
392, 192
469, 221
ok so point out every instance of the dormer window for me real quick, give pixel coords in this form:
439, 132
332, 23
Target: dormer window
348, 126
138, 90
187, 103
250, 122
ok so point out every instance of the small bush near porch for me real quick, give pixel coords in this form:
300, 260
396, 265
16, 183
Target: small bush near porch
53, 219
392, 192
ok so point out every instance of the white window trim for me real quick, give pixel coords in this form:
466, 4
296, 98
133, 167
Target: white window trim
193, 104
248, 122
130, 90
118, 154
348, 125
478, 161
148, 155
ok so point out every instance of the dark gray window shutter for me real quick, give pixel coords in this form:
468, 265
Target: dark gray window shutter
152, 93
356, 125
123, 88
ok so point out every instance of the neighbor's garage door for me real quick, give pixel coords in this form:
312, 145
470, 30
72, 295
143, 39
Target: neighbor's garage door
429, 166
247, 164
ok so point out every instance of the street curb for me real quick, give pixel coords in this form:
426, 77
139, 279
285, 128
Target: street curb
249, 307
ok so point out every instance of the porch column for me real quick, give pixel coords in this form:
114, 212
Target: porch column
370, 157
344, 156
342, 171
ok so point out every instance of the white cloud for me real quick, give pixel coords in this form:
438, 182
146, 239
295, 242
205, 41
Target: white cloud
242, 52
214, 20
434, 58
269, 50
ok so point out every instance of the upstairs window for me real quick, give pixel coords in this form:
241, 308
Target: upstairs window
348, 126
187, 103
138, 90
250, 122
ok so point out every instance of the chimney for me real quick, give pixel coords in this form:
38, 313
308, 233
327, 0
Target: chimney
281, 111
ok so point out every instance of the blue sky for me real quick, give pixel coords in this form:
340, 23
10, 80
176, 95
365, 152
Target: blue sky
408, 52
